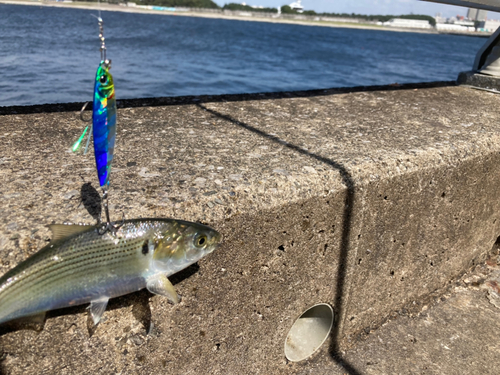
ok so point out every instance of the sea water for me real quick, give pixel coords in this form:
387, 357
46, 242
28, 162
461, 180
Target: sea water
50, 55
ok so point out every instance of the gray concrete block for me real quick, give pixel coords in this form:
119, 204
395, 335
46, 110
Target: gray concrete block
455, 334
371, 201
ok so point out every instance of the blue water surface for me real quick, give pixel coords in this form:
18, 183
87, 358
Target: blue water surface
50, 55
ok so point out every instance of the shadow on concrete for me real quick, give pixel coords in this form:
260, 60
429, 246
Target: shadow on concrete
346, 228
186, 273
183, 100
91, 200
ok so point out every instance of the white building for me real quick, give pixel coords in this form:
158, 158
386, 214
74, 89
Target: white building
465, 23
440, 19
454, 27
489, 25
402, 22
297, 6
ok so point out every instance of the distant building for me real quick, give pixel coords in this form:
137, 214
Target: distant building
489, 25
403, 22
465, 23
458, 24
477, 14
472, 14
297, 6
481, 15
454, 27
439, 18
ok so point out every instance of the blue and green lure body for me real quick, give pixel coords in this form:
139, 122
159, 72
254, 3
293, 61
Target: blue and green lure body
104, 122
103, 128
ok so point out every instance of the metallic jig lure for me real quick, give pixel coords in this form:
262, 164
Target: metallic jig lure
104, 122
103, 128
104, 116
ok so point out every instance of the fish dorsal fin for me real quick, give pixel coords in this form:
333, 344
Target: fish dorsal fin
67, 230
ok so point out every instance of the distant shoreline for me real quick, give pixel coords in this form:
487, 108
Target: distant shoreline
254, 17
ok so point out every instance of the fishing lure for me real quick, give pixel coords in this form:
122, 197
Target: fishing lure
104, 121
103, 128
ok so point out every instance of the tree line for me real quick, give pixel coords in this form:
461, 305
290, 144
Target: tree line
371, 18
166, 3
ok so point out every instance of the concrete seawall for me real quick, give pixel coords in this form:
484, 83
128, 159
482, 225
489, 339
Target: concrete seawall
373, 200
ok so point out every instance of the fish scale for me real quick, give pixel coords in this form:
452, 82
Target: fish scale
70, 254
69, 275
89, 266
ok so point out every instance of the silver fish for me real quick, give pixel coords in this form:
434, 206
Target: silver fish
82, 265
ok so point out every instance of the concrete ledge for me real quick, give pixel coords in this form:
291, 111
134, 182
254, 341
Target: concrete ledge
372, 201
456, 334
480, 81
181, 100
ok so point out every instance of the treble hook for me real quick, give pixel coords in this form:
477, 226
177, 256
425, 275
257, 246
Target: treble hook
76, 145
108, 226
82, 111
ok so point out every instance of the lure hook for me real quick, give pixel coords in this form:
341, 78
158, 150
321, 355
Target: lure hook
82, 111
77, 144
108, 227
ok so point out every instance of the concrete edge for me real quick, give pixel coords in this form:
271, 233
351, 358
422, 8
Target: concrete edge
197, 99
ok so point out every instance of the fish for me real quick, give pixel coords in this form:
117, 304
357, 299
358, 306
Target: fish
82, 265
104, 122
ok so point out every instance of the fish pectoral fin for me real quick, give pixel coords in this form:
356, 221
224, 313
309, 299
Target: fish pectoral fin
97, 308
160, 284
66, 230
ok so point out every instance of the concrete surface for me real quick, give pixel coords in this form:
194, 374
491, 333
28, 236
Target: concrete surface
460, 336
373, 201
456, 334
481, 81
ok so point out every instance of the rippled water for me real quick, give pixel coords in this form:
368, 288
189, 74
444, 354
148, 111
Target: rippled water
50, 55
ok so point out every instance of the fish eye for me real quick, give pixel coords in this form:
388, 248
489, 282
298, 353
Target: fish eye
103, 79
200, 240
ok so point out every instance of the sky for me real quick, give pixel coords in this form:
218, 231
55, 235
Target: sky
393, 7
